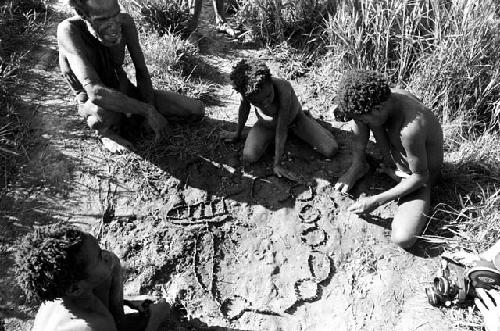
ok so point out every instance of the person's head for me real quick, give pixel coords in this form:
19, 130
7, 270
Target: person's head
60, 260
102, 17
360, 95
252, 78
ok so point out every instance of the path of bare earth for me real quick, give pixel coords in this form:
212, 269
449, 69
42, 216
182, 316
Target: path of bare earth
241, 250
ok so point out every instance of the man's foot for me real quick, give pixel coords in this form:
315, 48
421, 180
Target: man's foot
116, 144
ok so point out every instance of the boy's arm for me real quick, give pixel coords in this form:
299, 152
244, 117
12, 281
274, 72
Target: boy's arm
358, 166
285, 100
243, 111
413, 142
143, 78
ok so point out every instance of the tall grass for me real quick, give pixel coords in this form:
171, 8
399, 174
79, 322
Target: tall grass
275, 21
158, 15
21, 23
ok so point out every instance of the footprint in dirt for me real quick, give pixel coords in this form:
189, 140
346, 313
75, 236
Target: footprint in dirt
203, 210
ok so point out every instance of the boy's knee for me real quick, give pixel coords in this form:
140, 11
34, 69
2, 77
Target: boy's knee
249, 157
402, 238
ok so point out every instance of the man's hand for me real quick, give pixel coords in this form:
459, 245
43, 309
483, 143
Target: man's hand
490, 309
364, 205
229, 136
158, 123
280, 171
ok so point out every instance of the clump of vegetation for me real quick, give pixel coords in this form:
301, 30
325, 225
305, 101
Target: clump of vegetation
274, 21
460, 78
21, 23
160, 16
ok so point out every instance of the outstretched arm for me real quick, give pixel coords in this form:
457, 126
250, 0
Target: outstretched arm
243, 111
414, 144
358, 166
416, 153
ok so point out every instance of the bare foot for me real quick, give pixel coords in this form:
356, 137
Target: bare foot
116, 144
347, 181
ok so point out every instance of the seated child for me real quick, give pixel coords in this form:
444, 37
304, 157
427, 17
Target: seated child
278, 110
78, 282
410, 139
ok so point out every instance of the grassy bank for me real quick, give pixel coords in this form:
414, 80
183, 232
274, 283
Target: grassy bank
21, 24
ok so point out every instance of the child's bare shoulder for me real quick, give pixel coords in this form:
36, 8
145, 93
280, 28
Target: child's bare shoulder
281, 84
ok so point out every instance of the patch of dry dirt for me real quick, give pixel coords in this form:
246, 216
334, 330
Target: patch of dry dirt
240, 249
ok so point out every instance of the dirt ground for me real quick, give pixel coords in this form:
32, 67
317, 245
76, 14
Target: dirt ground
240, 249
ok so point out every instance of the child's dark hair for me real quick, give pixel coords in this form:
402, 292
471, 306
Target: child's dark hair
46, 261
359, 91
248, 76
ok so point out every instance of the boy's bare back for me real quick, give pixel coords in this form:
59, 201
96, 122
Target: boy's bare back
417, 128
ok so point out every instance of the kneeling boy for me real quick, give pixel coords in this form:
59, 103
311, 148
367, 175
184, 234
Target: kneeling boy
410, 139
278, 110
78, 282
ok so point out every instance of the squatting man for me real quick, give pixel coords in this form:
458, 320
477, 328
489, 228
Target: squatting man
91, 54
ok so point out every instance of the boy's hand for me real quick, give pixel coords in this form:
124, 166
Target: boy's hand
157, 122
364, 205
280, 171
229, 136
490, 309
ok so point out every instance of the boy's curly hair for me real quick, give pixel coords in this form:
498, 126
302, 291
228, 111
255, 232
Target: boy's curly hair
46, 262
359, 91
248, 76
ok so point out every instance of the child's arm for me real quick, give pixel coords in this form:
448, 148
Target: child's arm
358, 167
285, 100
414, 145
243, 112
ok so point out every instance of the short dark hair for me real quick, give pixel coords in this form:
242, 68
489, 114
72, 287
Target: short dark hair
47, 263
248, 76
359, 91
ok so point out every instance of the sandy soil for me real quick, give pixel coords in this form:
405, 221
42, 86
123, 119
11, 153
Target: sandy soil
240, 249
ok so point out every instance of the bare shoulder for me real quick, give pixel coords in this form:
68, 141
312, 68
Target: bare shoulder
127, 19
419, 120
67, 28
283, 86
